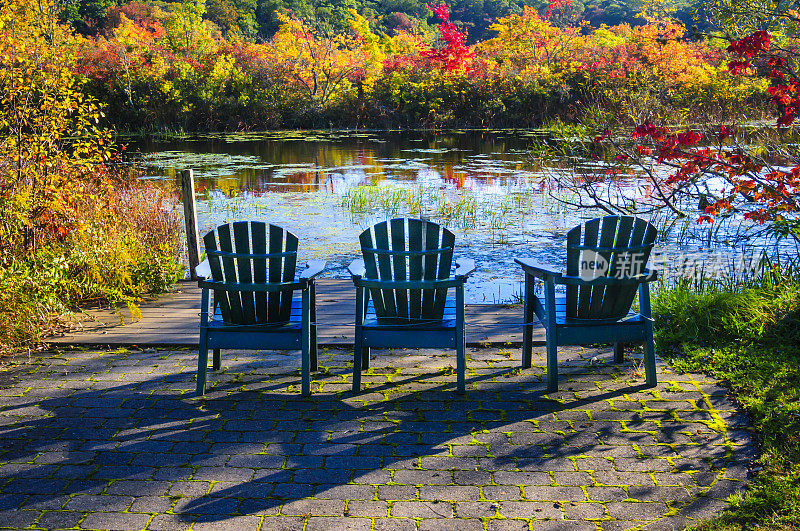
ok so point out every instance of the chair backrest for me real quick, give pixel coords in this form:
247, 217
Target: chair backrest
407, 250
252, 252
611, 246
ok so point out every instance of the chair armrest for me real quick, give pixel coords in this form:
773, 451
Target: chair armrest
313, 268
203, 270
357, 268
646, 276
533, 267
465, 267
650, 275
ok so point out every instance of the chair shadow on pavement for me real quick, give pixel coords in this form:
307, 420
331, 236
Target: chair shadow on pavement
136, 442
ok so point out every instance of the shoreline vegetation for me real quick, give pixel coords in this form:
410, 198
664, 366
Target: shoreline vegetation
75, 228
176, 71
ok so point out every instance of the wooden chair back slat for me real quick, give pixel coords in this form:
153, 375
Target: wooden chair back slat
274, 272
229, 268
616, 295
385, 267
215, 263
246, 239
443, 271
624, 243
431, 262
399, 265
584, 293
643, 234
289, 270
241, 236
259, 244
371, 268
606, 238
573, 258
415, 269
416, 250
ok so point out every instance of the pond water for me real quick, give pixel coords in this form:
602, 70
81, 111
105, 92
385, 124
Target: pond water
326, 187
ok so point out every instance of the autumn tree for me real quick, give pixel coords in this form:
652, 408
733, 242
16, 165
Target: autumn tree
50, 140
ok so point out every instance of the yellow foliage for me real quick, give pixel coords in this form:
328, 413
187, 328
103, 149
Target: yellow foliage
50, 142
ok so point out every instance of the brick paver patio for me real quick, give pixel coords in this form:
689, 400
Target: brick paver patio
114, 440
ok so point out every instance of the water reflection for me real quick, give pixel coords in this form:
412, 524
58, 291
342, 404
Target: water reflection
326, 187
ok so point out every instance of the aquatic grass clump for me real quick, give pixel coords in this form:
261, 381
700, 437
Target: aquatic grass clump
461, 207
389, 199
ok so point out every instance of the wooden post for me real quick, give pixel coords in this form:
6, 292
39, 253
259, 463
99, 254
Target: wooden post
190, 216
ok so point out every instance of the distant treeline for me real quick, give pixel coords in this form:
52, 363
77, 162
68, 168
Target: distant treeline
259, 19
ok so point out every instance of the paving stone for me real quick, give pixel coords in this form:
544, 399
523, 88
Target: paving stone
502, 492
312, 506
660, 493
151, 504
170, 522
367, 508
622, 478
423, 477
138, 488
640, 510
17, 519
441, 524
583, 511
541, 493
292, 490
60, 519
397, 492
411, 509
572, 478
623, 525
344, 492
476, 509
508, 524
115, 520
538, 510
522, 478
234, 523
555, 525
394, 524
124, 443
206, 506
99, 503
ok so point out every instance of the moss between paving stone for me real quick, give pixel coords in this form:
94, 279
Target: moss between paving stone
580, 432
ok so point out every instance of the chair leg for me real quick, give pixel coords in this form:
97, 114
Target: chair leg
358, 342
461, 344
619, 352
461, 363
650, 357
305, 345
314, 350
552, 363
358, 356
202, 363
527, 328
649, 347
217, 360
552, 336
365, 358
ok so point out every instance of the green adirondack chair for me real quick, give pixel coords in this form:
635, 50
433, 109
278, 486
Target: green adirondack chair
606, 265
251, 268
402, 288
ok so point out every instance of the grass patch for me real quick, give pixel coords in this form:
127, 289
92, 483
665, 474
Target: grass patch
747, 335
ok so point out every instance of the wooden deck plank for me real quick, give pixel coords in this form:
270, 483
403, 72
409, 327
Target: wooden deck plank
173, 319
